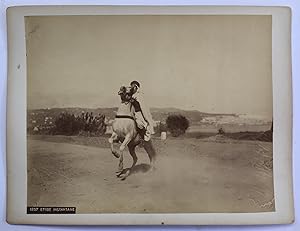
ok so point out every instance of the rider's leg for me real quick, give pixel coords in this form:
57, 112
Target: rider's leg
143, 124
140, 121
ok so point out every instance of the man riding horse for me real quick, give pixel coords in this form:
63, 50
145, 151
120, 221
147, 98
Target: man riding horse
132, 125
143, 116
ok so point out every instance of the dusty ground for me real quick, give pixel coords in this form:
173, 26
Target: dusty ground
213, 174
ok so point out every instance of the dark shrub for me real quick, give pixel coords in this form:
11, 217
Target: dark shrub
67, 124
177, 124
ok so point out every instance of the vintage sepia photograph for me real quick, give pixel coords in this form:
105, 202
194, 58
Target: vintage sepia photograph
150, 113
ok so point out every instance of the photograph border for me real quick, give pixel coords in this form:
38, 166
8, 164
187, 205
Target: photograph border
17, 108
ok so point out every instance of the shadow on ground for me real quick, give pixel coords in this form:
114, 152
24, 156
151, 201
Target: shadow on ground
139, 168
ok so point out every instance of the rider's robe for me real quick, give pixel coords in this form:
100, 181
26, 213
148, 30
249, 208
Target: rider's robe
138, 96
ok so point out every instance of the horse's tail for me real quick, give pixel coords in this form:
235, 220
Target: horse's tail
148, 145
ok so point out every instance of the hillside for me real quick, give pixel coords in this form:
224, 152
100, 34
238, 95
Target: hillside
199, 121
159, 114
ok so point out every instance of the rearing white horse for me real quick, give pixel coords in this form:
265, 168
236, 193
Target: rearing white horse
125, 131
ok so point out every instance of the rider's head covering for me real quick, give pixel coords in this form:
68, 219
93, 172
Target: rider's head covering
135, 83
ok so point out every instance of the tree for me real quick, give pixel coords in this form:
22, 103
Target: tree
177, 124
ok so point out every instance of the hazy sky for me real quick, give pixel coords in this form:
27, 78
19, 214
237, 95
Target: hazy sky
206, 63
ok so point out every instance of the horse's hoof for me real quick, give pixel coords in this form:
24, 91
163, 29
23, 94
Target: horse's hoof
119, 173
123, 177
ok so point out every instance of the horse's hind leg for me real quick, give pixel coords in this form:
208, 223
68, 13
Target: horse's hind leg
120, 166
111, 140
122, 147
131, 149
148, 146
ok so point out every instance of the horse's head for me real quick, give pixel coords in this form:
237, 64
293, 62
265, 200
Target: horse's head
125, 93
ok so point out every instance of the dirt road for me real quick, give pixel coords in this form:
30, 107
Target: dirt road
192, 175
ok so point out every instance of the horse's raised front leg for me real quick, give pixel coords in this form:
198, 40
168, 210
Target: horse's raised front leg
111, 140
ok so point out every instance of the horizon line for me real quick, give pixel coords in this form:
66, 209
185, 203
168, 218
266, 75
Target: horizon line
92, 108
